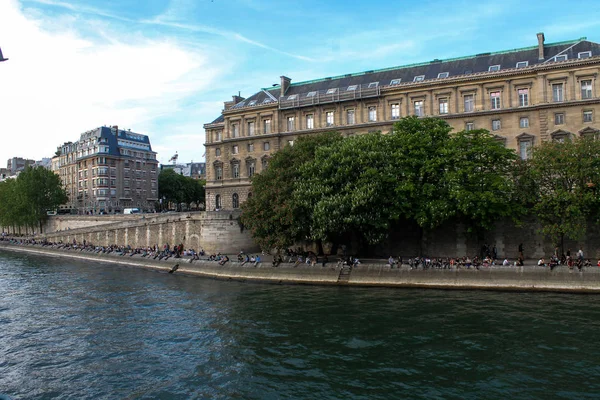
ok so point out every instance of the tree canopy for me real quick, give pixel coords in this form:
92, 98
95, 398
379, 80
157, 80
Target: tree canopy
178, 189
25, 201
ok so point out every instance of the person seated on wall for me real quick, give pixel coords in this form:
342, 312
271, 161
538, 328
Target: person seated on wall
391, 262
598, 263
506, 263
541, 262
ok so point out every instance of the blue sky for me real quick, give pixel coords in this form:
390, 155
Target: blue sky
164, 68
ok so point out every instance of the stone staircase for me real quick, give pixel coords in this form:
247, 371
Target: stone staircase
344, 275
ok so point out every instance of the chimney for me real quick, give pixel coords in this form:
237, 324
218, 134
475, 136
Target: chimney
235, 99
285, 84
540, 37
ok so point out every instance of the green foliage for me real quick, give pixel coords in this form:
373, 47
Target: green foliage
273, 215
26, 200
479, 179
420, 153
348, 187
568, 176
178, 189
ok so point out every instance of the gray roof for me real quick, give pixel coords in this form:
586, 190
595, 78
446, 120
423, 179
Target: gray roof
507, 59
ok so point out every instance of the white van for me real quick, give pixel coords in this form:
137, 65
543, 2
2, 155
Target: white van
131, 211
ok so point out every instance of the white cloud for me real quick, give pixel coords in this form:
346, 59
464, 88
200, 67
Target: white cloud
59, 83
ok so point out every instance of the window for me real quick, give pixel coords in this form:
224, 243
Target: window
395, 111
235, 130
351, 88
290, 123
373, 85
419, 78
372, 114
218, 136
588, 116
329, 118
266, 146
524, 122
218, 152
235, 149
522, 64
418, 106
265, 163
251, 128
523, 97
311, 94
469, 102
235, 201
331, 91
250, 147
495, 99
235, 170
586, 89
557, 92
251, 167
443, 106
350, 117
584, 54
469, 126
218, 201
252, 102
292, 97
559, 118
267, 126
443, 75
525, 149
267, 100
310, 121
395, 81
496, 124
218, 173
494, 68
562, 57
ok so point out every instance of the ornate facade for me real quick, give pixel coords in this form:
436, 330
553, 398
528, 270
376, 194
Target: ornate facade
524, 96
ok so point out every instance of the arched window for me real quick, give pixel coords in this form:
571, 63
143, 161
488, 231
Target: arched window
249, 194
218, 201
235, 200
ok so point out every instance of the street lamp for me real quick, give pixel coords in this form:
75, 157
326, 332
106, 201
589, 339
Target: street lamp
2, 57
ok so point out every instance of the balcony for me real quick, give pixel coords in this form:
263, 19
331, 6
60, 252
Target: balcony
328, 96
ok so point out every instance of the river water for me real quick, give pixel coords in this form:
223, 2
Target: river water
79, 330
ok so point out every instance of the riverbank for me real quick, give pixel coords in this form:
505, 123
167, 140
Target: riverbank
529, 278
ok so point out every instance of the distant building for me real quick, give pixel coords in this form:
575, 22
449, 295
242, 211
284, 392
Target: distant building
18, 164
4, 174
549, 91
108, 170
193, 170
45, 162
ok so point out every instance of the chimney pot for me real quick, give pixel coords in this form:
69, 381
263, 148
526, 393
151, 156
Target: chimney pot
541, 39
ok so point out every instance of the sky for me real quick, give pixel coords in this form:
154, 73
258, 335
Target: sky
165, 67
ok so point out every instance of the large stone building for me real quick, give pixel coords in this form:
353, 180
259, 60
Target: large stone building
108, 170
18, 164
523, 96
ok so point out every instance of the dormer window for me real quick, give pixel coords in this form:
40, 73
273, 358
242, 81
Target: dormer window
331, 91
241, 104
419, 78
351, 88
311, 94
494, 68
267, 100
395, 81
584, 54
443, 75
252, 102
373, 85
561, 57
293, 97
522, 64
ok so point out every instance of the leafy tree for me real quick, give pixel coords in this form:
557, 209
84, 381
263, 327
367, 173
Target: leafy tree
171, 187
348, 188
273, 214
420, 153
479, 179
568, 175
36, 191
193, 191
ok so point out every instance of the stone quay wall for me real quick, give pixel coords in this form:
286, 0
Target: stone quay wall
212, 231
529, 278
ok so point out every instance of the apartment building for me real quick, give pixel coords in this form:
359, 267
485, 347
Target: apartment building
524, 96
108, 170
